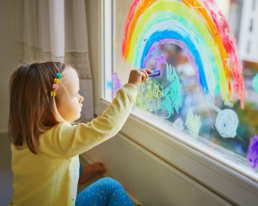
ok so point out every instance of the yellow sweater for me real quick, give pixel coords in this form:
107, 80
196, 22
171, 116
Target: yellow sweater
50, 178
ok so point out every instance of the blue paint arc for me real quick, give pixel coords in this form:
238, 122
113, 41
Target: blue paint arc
159, 35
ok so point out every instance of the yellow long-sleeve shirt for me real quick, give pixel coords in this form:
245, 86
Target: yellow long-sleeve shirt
50, 177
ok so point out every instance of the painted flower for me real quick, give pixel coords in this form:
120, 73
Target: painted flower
227, 123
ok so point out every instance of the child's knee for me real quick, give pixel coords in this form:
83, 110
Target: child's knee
111, 181
108, 179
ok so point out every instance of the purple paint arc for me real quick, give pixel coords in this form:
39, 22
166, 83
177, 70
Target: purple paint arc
187, 52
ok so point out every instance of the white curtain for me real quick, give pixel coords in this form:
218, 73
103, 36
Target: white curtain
56, 30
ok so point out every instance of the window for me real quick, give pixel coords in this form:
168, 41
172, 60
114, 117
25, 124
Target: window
249, 31
193, 111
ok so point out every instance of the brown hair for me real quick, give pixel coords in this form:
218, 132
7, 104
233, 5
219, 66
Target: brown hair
32, 110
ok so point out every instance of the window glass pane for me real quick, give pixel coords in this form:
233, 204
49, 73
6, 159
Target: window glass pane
188, 100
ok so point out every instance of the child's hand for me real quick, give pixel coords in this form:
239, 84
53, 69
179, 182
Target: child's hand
138, 76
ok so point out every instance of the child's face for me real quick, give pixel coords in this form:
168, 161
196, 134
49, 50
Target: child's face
69, 101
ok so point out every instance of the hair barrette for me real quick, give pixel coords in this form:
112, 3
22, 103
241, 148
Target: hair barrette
55, 85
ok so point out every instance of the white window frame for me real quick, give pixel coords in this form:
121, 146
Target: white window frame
222, 178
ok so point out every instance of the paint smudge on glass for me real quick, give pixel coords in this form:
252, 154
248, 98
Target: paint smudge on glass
252, 153
109, 85
179, 124
193, 123
255, 82
116, 83
215, 143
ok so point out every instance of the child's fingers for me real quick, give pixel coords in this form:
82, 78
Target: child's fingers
148, 71
144, 75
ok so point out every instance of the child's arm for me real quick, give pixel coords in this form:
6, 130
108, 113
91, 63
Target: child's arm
74, 140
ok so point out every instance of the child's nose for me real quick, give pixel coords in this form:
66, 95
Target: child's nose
81, 99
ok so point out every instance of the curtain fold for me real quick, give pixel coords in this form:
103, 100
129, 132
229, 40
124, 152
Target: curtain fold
56, 30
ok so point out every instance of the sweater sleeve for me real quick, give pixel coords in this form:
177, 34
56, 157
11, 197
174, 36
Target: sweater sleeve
74, 140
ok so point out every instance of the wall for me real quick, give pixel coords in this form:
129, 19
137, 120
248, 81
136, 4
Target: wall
149, 179
7, 57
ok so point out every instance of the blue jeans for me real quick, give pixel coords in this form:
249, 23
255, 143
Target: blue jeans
104, 192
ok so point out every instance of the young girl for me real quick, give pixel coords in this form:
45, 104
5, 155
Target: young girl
44, 103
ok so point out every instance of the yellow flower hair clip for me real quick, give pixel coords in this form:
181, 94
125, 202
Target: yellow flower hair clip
53, 93
55, 86
56, 80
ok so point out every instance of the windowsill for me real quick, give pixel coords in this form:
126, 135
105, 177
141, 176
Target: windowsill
186, 154
200, 144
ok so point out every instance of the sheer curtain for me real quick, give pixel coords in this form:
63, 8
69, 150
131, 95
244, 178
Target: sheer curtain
57, 30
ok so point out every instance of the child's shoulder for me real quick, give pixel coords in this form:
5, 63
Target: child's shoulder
57, 129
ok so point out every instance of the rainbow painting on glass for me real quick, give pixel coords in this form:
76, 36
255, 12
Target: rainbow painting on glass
199, 28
